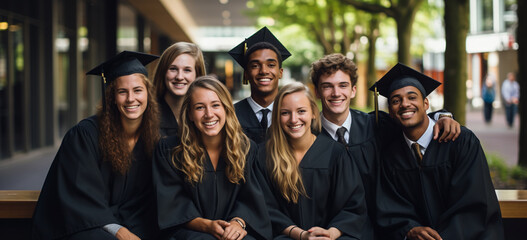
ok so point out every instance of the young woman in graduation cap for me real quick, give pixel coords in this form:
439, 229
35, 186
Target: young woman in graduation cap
311, 187
179, 65
99, 185
203, 178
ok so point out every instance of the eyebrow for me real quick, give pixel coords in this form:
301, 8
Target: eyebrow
268, 60
407, 93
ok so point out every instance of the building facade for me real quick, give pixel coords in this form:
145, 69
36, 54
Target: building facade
46, 46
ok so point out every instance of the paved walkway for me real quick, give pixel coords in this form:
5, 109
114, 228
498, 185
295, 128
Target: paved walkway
496, 138
28, 171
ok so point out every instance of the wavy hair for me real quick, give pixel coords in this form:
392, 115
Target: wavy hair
189, 157
281, 162
330, 64
168, 57
112, 142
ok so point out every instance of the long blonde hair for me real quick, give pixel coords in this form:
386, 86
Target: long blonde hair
189, 156
281, 162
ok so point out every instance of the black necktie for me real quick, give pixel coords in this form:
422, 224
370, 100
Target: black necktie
340, 134
417, 151
263, 122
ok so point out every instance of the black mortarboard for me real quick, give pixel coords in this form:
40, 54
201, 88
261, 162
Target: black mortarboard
262, 35
402, 76
124, 63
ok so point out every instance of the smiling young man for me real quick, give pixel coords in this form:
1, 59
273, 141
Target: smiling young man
428, 190
261, 57
334, 77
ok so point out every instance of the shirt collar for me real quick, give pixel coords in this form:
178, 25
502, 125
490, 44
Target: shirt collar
331, 128
256, 107
425, 139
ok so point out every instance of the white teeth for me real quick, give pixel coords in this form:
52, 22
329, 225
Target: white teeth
210, 123
407, 113
336, 101
264, 80
179, 84
132, 107
296, 126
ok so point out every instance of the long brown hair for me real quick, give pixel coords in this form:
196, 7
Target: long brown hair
112, 141
281, 162
189, 156
168, 57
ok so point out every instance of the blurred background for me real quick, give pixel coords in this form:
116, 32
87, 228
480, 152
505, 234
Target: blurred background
46, 47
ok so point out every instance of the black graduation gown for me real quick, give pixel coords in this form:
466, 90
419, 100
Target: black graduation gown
452, 192
250, 124
334, 189
214, 198
82, 193
167, 121
363, 148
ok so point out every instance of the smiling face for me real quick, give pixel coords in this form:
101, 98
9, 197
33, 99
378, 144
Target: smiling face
263, 72
296, 115
408, 108
131, 97
335, 92
180, 73
207, 113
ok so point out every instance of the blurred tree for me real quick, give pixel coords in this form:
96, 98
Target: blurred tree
455, 75
521, 36
327, 22
335, 27
403, 12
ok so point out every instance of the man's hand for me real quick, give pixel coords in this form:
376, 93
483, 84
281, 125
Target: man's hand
451, 129
125, 234
423, 233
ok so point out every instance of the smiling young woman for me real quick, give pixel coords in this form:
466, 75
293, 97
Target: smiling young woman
311, 186
206, 188
100, 183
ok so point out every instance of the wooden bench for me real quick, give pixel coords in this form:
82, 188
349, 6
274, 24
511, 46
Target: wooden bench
513, 203
17, 206
16, 211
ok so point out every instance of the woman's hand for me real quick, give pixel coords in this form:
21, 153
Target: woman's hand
212, 227
217, 228
321, 233
234, 231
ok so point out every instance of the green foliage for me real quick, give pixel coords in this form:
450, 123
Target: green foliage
505, 177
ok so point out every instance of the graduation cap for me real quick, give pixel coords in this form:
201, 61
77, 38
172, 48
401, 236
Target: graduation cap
262, 35
402, 76
124, 63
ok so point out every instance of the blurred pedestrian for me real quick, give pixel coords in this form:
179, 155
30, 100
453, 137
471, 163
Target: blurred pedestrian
179, 65
488, 93
510, 89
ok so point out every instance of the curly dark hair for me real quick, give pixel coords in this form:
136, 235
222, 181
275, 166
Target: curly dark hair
330, 64
112, 142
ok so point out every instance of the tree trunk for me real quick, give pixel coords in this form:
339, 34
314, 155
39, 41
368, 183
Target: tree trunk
521, 37
455, 75
372, 37
404, 35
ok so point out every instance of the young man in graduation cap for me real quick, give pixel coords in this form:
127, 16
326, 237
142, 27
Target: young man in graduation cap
261, 57
100, 183
334, 77
429, 190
